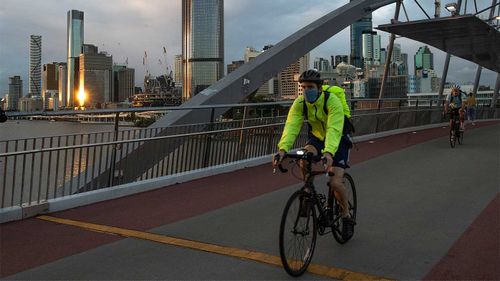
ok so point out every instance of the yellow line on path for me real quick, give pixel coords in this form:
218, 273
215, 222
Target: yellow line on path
331, 272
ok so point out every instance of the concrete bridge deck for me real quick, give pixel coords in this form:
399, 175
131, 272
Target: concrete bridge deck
425, 211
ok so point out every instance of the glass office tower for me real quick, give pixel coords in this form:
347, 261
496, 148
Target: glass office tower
35, 79
74, 49
357, 29
202, 44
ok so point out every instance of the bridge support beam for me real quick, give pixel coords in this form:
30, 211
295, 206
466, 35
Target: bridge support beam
248, 78
495, 92
476, 81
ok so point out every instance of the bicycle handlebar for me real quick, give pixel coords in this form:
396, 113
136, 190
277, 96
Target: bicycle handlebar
307, 156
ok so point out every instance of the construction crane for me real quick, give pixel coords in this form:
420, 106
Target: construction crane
145, 63
165, 59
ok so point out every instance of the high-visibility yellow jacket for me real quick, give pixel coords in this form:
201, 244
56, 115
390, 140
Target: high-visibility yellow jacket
326, 126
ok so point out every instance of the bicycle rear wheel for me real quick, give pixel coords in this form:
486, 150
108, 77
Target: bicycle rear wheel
298, 231
460, 138
353, 206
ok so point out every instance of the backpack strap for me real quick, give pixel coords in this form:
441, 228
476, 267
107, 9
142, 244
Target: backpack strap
304, 110
327, 96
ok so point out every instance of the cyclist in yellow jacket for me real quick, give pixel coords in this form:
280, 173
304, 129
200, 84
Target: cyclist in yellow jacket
325, 118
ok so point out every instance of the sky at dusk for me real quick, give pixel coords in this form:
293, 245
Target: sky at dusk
127, 28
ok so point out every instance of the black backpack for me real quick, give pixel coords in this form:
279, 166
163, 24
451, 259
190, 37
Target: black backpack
348, 126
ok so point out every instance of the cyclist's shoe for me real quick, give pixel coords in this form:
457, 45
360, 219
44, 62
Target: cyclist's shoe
305, 208
347, 228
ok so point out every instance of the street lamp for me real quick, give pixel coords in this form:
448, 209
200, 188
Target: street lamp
452, 8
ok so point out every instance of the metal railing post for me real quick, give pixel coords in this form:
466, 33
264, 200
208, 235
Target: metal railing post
206, 157
243, 124
113, 152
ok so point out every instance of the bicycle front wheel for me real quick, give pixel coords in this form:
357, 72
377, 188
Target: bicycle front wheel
298, 231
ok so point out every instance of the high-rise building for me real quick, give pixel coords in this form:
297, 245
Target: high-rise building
15, 92
234, 65
288, 78
357, 29
250, 54
396, 53
63, 84
396, 87
435, 83
341, 59
30, 103
404, 65
428, 82
359, 88
374, 71
96, 79
346, 71
74, 46
322, 64
35, 87
5, 102
423, 59
413, 84
90, 49
178, 70
50, 83
371, 48
202, 44
124, 86
50, 76
383, 56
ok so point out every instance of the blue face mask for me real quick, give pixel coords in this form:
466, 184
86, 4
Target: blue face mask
311, 95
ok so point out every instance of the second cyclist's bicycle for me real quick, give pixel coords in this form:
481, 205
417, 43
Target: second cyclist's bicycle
455, 132
307, 214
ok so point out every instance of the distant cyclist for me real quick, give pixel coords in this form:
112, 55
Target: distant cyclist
324, 112
455, 104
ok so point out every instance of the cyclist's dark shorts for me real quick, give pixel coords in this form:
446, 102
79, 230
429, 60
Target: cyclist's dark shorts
341, 157
454, 111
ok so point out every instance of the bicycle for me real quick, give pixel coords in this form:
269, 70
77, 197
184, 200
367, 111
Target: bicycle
455, 133
308, 214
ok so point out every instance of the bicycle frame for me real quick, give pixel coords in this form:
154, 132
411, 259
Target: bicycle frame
310, 175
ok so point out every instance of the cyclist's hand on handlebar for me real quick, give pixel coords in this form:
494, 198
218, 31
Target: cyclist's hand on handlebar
328, 162
278, 157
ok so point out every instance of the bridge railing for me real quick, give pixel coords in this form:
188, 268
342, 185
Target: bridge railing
32, 172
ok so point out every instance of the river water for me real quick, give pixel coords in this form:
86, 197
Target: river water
20, 129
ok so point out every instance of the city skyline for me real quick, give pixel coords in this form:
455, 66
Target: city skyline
130, 29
